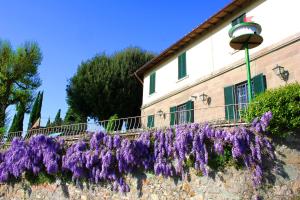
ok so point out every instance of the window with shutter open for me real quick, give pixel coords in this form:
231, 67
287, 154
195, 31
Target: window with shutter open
259, 84
236, 96
152, 83
182, 65
172, 115
150, 121
229, 102
182, 114
190, 111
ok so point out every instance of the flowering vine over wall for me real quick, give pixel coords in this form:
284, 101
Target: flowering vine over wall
107, 158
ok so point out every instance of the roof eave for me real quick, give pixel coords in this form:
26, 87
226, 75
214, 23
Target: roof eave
221, 15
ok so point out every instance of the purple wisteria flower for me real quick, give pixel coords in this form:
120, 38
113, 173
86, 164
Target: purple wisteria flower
108, 158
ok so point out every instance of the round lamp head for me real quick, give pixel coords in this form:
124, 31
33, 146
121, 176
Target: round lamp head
245, 33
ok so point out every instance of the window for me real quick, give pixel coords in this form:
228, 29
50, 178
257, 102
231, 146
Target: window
238, 20
241, 91
182, 65
150, 121
182, 114
236, 96
152, 83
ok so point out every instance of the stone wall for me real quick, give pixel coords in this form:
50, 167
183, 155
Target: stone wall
281, 183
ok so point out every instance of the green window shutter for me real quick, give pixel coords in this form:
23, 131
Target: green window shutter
229, 100
152, 83
190, 112
179, 67
182, 65
183, 69
172, 115
150, 121
259, 84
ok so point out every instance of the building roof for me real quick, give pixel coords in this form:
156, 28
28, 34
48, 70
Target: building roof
228, 10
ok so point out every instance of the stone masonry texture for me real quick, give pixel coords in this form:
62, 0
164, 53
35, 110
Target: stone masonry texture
283, 182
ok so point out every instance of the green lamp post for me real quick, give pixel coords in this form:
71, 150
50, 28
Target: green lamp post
246, 35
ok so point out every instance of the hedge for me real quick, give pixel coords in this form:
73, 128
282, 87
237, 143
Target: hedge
284, 102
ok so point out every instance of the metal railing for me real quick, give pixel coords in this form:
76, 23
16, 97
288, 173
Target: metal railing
218, 115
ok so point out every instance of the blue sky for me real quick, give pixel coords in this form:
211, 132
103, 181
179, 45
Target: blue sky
69, 32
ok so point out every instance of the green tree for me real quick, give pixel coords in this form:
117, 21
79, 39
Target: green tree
18, 74
105, 85
34, 112
57, 120
13, 124
112, 124
48, 123
36, 109
72, 117
39, 107
17, 124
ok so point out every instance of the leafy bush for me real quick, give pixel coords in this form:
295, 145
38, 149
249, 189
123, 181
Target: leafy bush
221, 161
2, 131
112, 122
40, 178
284, 102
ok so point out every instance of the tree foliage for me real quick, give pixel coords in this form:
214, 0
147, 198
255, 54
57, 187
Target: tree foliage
112, 123
18, 75
73, 117
48, 123
34, 111
57, 120
17, 124
284, 102
105, 85
40, 103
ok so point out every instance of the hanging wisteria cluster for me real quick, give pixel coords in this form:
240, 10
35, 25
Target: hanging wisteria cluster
40, 153
107, 158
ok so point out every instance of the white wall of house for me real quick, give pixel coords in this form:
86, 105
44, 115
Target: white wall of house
279, 20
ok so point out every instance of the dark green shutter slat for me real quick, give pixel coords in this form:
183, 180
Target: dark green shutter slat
182, 65
259, 85
229, 100
150, 86
190, 112
172, 115
150, 121
179, 67
183, 74
152, 83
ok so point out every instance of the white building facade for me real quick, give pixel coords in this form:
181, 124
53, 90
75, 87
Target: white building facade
202, 62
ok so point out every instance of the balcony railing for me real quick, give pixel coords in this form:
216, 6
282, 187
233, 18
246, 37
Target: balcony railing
218, 115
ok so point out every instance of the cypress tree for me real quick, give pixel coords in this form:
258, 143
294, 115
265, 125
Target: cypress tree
48, 122
39, 107
57, 120
34, 110
17, 124
13, 124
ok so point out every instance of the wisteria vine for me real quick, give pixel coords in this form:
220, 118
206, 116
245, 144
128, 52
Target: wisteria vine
108, 158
